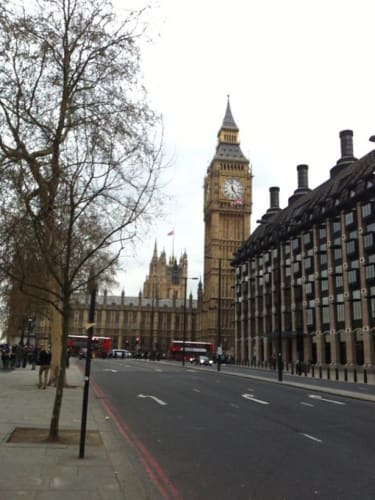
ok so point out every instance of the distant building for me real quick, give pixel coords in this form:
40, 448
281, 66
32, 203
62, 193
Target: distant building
149, 322
305, 278
166, 279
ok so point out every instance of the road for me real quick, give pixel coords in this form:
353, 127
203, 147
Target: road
213, 436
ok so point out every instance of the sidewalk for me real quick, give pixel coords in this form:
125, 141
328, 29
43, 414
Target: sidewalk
46, 471
365, 392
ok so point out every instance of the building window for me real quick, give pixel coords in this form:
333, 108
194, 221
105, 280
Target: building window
296, 267
357, 310
366, 210
368, 241
310, 317
296, 246
325, 314
324, 285
353, 276
349, 219
339, 281
323, 259
308, 263
337, 254
336, 227
340, 312
107, 318
351, 247
322, 233
372, 302
370, 272
307, 238
98, 317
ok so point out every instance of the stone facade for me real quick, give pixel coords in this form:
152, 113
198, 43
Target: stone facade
305, 278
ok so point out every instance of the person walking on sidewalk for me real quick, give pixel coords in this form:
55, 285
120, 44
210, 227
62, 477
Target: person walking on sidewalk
44, 365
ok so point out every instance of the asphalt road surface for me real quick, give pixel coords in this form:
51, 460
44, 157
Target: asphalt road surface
205, 435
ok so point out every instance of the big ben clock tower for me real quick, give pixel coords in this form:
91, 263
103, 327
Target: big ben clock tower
227, 209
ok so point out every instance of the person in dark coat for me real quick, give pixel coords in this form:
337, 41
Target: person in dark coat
44, 366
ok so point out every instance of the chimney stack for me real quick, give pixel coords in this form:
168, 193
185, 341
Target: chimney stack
347, 154
303, 180
274, 198
303, 183
274, 203
346, 139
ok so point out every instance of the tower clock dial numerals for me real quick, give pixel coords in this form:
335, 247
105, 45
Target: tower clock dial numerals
233, 188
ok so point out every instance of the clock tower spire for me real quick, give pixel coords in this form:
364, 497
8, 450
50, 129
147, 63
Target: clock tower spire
227, 210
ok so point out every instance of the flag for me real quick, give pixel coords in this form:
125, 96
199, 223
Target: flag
171, 233
237, 202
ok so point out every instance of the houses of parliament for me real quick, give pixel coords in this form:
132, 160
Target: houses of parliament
165, 310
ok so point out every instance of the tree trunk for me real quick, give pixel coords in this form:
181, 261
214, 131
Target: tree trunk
60, 381
56, 334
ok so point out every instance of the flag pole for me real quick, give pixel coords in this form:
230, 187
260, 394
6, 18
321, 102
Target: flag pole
171, 233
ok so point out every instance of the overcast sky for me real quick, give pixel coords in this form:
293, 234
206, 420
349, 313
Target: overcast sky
297, 72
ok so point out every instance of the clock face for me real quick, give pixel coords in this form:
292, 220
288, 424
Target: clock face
233, 188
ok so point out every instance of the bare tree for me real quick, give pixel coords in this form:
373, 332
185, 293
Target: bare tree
80, 155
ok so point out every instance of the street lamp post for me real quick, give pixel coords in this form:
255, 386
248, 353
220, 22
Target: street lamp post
184, 319
219, 348
30, 327
90, 332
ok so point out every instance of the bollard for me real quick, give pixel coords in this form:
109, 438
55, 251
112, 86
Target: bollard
337, 373
292, 368
305, 370
346, 374
312, 371
320, 372
365, 376
355, 375
328, 373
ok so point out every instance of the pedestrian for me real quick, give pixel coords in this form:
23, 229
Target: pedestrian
12, 357
25, 355
44, 365
68, 354
34, 358
19, 354
5, 358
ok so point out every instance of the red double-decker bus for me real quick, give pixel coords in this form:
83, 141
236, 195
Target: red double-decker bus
193, 349
101, 346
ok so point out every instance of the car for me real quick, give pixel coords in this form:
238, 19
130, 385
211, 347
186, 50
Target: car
121, 353
204, 361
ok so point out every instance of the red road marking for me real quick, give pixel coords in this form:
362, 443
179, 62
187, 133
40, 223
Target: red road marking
156, 474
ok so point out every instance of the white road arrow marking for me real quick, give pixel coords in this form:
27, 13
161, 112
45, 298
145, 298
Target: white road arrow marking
315, 396
157, 400
251, 398
312, 438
